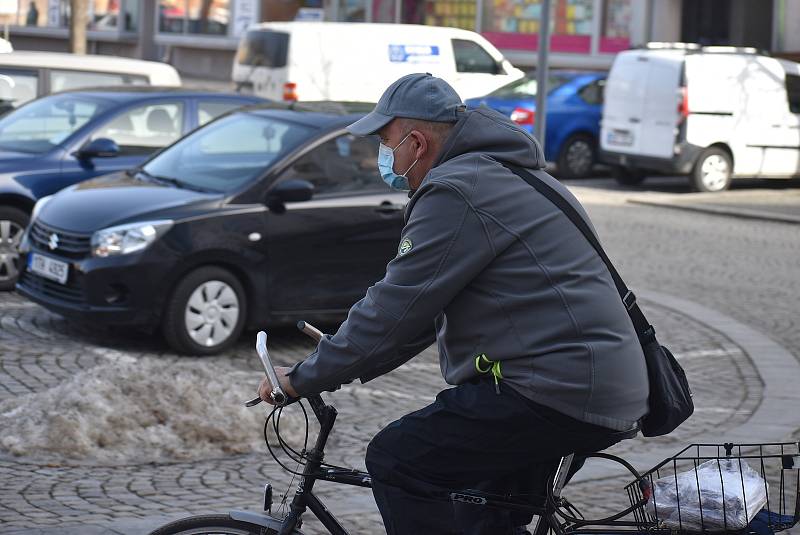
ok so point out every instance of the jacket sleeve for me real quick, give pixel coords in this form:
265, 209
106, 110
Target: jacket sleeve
444, 245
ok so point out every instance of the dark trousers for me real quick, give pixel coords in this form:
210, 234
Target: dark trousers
471, 438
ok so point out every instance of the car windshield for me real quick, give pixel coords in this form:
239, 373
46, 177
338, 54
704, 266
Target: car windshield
45, 123
227, 153
526, 87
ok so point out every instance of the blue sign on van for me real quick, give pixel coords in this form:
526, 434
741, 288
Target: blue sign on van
413, 53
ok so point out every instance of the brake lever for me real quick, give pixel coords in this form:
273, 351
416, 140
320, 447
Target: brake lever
261, 347
253, 402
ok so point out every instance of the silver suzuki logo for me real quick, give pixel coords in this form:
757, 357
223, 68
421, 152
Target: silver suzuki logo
53, 243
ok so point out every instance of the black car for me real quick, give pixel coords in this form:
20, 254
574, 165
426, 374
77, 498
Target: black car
265, 215
62, 139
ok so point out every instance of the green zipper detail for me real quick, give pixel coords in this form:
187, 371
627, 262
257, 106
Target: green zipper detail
490, 366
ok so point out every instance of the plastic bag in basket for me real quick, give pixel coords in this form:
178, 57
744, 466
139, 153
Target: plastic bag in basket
719, 495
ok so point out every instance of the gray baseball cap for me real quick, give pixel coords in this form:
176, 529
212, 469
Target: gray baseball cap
414, 96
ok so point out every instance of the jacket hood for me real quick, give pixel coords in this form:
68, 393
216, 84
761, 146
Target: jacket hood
490, 133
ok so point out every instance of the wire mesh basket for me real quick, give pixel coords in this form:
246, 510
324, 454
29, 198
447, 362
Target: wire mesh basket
713, 488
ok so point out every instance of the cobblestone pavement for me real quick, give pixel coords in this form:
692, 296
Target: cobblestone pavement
747, 270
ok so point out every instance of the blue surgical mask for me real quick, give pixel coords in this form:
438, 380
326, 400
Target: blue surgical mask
386, 167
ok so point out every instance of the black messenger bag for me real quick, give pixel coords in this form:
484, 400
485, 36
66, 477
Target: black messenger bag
670, 399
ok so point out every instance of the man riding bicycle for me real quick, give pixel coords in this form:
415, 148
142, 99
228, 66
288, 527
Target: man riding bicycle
530, 327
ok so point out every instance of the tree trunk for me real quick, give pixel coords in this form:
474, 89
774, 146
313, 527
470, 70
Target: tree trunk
79, 11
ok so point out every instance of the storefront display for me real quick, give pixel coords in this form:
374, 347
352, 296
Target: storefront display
454, 13
515, 23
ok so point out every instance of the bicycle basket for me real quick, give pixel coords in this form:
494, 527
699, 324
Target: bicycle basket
712, 488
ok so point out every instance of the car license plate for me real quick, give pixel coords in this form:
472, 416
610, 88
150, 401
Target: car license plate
48, 267
620, 137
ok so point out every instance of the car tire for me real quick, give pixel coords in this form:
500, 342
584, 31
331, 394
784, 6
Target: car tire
206, 313
627, 176
12, 226
712, 171
577, 157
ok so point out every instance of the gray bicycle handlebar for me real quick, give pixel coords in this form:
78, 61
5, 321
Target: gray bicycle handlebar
277, 395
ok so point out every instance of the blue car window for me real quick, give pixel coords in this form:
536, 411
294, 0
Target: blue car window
43, 124
525, 87
344, 165
144, 129
211, 109
18, 86
227, 153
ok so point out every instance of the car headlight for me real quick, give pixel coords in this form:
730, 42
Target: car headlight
126, 239
39, 205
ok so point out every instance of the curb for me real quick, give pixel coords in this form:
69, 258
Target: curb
778, 369
742, 213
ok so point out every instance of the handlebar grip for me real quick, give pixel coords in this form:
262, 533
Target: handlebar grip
310, 330
278, 396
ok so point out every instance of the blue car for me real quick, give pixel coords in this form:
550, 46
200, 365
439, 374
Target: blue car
574, 108
58, 140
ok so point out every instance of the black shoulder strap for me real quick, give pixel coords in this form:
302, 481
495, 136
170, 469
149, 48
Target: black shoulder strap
640, 323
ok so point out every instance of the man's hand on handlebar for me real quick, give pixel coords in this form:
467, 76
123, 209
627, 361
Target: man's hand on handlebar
265, 388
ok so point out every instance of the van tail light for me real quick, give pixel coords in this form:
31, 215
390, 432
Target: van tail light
290, 91
522, 116
683, 105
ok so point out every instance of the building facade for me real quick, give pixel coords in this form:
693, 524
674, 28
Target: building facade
199, 37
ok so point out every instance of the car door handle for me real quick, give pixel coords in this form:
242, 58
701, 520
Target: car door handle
387, 207
635, 120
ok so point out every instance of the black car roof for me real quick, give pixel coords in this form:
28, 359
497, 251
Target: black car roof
323, 114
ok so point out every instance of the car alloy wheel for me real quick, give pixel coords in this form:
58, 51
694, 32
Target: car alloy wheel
212, 313
715, 173
10, 237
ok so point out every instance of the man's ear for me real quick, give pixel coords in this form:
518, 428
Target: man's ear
422, 144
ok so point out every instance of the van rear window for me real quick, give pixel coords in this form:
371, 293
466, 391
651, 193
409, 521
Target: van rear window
263, 48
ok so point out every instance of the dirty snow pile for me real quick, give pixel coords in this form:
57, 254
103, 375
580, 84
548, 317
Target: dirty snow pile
141, 411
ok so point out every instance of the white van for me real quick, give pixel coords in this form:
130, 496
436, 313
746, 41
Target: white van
712, 113
27, 75
356, 62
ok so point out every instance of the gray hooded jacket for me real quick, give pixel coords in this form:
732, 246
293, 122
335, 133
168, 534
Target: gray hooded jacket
488, 266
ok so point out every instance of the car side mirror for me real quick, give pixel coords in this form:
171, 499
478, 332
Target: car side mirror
294, 190
102, 147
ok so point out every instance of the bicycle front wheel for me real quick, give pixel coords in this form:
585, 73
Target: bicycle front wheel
209, 525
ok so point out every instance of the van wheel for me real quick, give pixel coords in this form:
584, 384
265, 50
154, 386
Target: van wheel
577, 156
712, 171
206, 313
627, 176
12, 226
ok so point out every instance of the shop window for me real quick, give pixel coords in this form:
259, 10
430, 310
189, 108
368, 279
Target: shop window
199, 17
568, 17
144, 129
616, 26
471, 57
208, 17
103, 14
455, 13
384, 10
793, 92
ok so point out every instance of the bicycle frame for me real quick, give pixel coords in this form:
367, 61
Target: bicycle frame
304, 497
